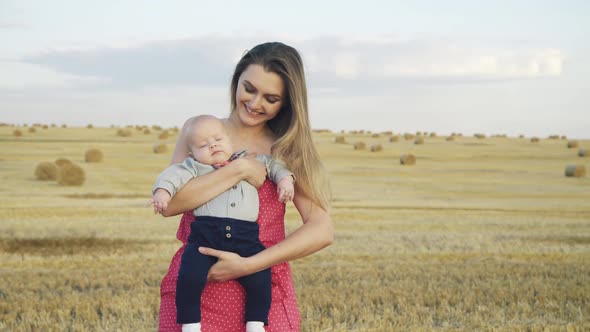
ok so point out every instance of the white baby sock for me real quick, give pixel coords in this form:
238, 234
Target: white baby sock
193, 327
254, 327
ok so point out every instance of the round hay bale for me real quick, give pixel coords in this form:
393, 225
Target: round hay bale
394, 138
17, 133
450, 138
375, 135
360, 146
46, 171
479, 136
534, 140
164, 135
376, 147
160, 148
156, 127
146, 131
563, 137
387, 133
407, 159
93, 156
70, 175
576, 171
521, 136
64, 126
572, 144
419, 140
45, 127
62, 161
32, 130
89, 126
124, 132
408, 136
582, 153
554, 137
432, 134
339, 140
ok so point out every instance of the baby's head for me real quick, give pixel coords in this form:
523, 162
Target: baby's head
208, 142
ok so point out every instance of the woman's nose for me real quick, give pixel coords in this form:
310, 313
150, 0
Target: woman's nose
255, 103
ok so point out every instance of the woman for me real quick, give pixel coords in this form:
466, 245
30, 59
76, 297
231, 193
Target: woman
268, 116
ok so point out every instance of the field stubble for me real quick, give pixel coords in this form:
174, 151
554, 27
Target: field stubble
478, 235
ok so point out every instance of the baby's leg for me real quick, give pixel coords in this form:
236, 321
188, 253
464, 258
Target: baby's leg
258, 296
192, 277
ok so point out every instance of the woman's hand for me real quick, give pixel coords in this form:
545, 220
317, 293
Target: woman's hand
229, 265
253, 170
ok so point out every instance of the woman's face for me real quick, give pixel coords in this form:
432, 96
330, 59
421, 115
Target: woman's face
259, 95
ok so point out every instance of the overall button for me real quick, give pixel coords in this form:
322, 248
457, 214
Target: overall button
233, 204
235, 187
228, 235
228, 228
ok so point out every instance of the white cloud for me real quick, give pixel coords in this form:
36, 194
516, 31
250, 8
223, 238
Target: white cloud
206, 60
19, 75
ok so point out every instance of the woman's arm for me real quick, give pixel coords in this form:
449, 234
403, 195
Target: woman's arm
317, 232
204, 188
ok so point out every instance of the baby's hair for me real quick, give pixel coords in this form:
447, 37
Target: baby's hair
194, 121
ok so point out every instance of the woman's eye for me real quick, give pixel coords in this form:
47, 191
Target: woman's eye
272, 100
249, 89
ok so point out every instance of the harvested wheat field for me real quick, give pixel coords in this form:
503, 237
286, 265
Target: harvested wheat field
481, 234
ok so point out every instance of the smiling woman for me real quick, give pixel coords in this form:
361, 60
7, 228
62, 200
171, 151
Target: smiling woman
268, 116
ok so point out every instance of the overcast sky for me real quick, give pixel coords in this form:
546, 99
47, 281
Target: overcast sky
495, 67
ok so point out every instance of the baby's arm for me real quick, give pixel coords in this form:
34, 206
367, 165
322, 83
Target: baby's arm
279, 174
160, 200
172, 179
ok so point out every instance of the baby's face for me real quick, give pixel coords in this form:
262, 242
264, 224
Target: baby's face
209, 142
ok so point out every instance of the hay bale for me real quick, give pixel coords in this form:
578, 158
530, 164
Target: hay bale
521, 136
419, 140
563, 137
160, 148
387, 133
64, 126
432, 134
46, 171
156, 128
376, 147
93, 156
45, 127
576, 171
124, 132
62, 161
534, 140
479, 136
554, 137
70, 175
339, 140
394, 138
164, 135
450, 138
375, 135
89, 126
17, 133
360, 146
32, 130
582, 153
146, 131
572, 144
407, 159
408, 136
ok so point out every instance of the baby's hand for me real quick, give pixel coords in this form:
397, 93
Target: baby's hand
160, 200
286, 189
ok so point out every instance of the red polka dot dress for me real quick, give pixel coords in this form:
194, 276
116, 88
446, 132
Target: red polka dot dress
222, 304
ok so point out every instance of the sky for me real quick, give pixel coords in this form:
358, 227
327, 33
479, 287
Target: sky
493, 67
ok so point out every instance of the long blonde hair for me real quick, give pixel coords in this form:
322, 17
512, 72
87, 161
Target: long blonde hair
291, 127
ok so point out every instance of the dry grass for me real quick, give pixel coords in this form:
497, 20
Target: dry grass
481, 235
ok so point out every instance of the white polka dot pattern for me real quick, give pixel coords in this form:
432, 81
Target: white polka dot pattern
222, 304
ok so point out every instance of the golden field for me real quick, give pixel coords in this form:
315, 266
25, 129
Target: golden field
481, 234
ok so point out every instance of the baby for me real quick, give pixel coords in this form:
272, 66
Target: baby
227, 222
